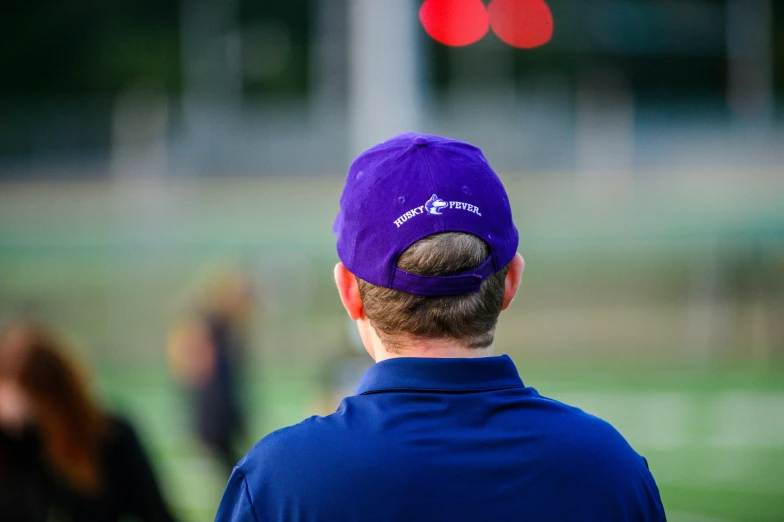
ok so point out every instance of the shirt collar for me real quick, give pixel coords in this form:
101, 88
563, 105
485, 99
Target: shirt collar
429, 374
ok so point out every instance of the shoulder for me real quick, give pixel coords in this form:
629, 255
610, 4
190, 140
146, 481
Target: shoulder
589, 455
290, 444
277, 466
315, 450
582, 435
588, 448
564, 418
317, 465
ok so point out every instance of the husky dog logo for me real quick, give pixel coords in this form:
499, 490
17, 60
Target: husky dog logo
434, 205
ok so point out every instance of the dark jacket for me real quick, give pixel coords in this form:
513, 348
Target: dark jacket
30, 491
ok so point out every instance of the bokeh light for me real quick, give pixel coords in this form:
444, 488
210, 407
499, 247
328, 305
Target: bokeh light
521, 23
454, 22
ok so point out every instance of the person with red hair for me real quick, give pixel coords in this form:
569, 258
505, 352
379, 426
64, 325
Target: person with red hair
61, 454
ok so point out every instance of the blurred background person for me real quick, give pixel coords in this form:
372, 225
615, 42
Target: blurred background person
206, 351
63, 456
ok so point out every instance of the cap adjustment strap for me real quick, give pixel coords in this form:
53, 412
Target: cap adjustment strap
468, 282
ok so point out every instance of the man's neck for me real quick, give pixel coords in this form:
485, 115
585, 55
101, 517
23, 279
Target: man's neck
435, 349
413, 347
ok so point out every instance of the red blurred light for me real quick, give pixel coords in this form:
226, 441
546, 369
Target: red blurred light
454, 22
521, 23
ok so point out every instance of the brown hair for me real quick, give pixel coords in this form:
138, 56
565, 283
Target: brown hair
71, 424
470, 318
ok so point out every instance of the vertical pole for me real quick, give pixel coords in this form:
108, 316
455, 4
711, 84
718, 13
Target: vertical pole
384, 96
749, 52
211, 52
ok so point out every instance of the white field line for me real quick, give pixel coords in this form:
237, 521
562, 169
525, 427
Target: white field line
748, 420
666, 420
737, 487
682, 516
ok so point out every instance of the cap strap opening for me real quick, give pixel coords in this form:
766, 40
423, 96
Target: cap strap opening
468, 282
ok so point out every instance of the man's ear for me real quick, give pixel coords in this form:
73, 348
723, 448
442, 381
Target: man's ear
512, 282
348, 289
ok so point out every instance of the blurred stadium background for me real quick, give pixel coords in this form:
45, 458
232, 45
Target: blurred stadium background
143, 144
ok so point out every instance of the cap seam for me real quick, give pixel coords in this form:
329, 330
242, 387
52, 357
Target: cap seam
432, 186
441, 219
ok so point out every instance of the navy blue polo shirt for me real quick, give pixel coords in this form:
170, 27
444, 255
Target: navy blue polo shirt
444, 439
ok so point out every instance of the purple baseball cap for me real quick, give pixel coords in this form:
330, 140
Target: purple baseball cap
412, 186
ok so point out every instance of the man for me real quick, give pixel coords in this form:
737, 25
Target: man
439, 429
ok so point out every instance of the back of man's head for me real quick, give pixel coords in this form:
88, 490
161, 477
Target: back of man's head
426, 228
469, 319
